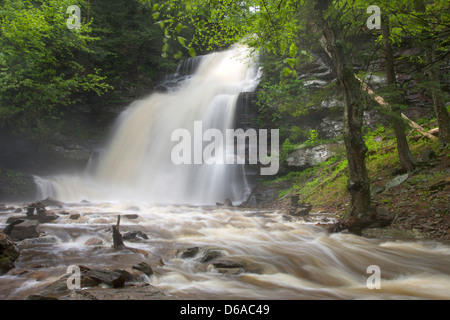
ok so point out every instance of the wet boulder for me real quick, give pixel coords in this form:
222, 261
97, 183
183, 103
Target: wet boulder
114, 278
227, 203
210, 255
23, 229
190, 252
94, 242
134, 236
298, 209
51, 202
144, 267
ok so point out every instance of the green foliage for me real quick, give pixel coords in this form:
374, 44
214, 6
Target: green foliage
313, 139
16, 185
129, 50
322, 185
298, 134
201, 25
286, 148
281, 97
379, 142
267, 25
39, 68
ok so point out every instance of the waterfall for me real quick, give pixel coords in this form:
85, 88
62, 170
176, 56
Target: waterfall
137, 164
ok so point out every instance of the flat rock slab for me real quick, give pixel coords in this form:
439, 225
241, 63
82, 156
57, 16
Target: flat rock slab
20, 230
51, 202
114, 278
131, 216
231, 264
38, 217
147, 292
397, 181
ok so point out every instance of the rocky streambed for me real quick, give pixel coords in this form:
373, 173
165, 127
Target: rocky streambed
66, 251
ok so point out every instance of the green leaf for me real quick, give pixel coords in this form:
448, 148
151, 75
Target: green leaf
166, 33
287, 72
181, 40
179, 27
192, 52
156, 15
290, 61
201, 25
178, 55
293, 50
161, 24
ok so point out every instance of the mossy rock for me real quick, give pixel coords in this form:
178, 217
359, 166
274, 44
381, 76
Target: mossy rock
9, 253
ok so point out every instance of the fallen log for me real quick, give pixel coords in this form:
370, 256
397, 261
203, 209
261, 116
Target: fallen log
418, 137
355, 225
419, 128
383, 103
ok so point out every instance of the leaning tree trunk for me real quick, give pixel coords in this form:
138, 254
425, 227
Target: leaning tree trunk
358, 182
398, 124
442, 115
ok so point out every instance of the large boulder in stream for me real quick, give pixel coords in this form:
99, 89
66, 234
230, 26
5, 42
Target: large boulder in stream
22, 229
9, 253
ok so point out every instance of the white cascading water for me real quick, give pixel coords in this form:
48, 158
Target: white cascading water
136, 164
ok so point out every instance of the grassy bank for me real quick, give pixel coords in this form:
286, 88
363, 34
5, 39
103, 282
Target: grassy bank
420, 203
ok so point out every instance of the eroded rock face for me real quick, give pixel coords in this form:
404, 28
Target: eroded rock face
309, 157
9, 253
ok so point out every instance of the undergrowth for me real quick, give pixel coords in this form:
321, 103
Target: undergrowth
324, 185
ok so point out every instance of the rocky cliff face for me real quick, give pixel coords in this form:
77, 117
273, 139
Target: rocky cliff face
303, 158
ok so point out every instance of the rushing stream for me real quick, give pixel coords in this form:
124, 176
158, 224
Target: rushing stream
277, 259
262, 255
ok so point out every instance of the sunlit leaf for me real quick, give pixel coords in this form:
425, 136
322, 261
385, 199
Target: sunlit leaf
192, 52
293, 50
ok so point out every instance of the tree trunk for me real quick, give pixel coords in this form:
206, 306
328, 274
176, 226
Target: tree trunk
358, 182
439, 106
442, 115
117, 236
398, 124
